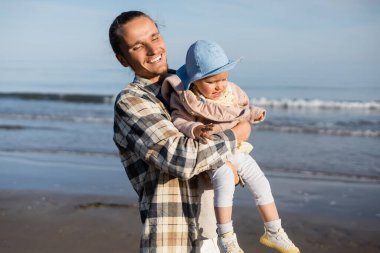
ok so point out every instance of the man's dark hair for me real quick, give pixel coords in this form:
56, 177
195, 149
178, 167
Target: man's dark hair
120, 20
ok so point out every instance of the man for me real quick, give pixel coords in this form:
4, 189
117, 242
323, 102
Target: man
162, 164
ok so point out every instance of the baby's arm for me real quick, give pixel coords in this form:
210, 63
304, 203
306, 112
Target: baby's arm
186, 123
182, 120
257, 114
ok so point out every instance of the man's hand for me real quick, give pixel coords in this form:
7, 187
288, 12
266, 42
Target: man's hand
236, 176
202, 132
242, 131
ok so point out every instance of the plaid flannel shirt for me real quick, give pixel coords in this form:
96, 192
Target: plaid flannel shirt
162, 165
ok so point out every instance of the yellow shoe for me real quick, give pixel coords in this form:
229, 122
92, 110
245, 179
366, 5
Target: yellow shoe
278, 241
229, 244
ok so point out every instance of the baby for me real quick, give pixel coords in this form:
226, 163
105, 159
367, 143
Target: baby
203, 102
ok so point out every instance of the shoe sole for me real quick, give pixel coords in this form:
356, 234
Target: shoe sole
221, 247
270, 244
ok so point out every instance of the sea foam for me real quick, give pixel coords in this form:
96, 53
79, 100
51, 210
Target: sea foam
316, 104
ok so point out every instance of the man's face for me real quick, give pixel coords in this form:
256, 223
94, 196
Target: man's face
143, 49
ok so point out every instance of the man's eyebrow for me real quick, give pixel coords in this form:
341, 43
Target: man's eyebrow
140, 42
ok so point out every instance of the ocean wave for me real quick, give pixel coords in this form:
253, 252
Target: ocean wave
284, 103
22, 127
316, 104
76, 98
322, 131
63, 118
12, 127
359, 123
323, 175
62, 151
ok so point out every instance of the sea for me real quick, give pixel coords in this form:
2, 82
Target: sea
310, 132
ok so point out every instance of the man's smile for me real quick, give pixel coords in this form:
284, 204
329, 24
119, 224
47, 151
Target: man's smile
155, 59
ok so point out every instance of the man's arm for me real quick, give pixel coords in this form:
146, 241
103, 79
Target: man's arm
141, 127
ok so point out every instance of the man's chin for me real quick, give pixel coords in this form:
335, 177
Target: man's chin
153, 73
162, 70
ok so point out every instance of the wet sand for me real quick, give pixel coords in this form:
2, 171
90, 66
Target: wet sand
74, 203
55, 222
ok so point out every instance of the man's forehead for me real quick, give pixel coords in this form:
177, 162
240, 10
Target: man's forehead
137, 30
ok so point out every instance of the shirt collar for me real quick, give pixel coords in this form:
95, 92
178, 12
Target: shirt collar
149, 85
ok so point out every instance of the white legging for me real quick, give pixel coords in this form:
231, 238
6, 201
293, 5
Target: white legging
224, 186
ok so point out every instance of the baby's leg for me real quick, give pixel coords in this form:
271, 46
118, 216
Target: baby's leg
224, 188
257, 183
223, 180
259, 186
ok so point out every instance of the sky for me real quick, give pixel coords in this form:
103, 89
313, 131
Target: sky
317, 43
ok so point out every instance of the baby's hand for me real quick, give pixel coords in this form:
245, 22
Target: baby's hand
202, 132
260, 116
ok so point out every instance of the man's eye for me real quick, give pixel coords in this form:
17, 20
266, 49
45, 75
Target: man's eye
137, 47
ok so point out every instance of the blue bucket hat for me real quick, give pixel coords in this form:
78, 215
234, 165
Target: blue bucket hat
204, 58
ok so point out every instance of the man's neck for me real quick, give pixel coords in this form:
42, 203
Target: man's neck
156, 79
159, 78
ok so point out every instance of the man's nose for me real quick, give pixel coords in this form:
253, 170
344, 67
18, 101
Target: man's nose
151, 49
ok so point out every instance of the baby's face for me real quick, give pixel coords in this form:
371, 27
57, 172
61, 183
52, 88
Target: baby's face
213, 87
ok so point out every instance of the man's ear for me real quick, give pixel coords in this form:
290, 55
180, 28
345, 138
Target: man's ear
122, 60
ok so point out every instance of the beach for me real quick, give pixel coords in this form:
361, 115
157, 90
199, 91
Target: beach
63, 188
100, 214
312, 65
